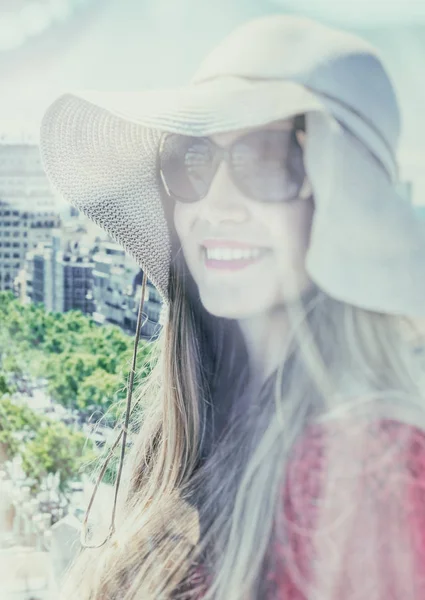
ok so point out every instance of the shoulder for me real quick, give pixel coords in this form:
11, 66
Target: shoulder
405, 440
370, 510
396, 447
387, 455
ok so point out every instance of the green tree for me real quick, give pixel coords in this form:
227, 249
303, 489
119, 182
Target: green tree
54, 449
85, 365
99, 389
4, 388
13, 363
18, 423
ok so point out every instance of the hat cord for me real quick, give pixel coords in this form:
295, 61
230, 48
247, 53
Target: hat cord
123, 432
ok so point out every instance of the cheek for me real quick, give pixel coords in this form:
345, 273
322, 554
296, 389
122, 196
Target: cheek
290, 227
183, 219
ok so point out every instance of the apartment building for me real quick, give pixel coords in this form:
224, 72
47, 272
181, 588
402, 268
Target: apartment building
28, 207
117, 281
59, 275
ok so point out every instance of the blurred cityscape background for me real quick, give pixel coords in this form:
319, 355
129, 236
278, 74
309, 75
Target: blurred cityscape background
69, 295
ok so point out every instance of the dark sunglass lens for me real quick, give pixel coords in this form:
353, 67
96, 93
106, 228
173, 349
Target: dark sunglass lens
269, 165
186, 164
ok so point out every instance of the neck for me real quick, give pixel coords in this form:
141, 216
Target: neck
266, 338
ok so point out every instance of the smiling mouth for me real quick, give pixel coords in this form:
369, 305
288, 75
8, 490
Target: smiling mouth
232, 258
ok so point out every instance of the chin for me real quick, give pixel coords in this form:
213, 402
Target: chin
233, 308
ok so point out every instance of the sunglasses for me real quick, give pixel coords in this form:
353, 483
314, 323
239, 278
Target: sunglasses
265, 165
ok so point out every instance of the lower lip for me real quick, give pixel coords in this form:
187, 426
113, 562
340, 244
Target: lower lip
231, 265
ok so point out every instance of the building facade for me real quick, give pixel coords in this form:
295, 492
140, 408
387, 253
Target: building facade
117, 284
75, 272
59, 275
28, 207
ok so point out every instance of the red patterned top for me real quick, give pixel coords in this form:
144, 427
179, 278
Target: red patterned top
389, 503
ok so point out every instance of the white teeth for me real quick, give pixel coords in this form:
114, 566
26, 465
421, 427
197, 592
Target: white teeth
232, 253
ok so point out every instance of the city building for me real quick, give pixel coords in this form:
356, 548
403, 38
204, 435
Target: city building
28, 207
52, 254
59, 274
76, 271
117, 284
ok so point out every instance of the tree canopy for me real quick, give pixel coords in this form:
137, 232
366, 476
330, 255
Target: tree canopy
86, 367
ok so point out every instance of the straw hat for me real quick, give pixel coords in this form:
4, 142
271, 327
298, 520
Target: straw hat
367, 247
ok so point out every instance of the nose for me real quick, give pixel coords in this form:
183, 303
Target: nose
224, 202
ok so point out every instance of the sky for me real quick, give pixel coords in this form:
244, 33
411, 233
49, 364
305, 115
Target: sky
363, 13
122, 45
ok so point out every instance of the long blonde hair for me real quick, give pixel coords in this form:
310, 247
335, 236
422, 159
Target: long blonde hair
203, 439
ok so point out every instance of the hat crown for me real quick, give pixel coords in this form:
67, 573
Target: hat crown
331, 62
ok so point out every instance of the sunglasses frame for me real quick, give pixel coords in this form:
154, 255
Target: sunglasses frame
225, 154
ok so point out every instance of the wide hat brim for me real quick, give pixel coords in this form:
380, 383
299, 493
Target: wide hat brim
100, 152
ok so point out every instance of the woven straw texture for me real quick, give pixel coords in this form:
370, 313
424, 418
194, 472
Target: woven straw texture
367, 247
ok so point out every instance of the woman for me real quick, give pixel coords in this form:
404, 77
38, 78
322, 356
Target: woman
281, 448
